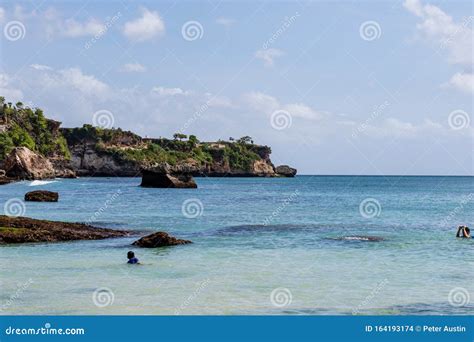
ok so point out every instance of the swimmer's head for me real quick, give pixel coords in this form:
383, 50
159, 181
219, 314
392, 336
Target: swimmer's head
130, 255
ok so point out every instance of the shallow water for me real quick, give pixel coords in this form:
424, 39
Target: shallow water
302, 240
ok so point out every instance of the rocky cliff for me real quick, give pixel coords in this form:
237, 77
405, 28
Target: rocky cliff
94, 151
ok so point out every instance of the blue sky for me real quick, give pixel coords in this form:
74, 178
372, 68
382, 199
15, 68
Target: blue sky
333, 87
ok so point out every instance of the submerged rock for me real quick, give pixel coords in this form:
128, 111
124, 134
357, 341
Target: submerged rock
41, 196
285, 171
159, 239
22, 163
166, 176
24, 229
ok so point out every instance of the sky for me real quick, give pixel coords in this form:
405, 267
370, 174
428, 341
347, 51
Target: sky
334, 87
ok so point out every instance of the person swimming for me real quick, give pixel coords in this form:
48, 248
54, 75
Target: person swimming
131, 258
463, 232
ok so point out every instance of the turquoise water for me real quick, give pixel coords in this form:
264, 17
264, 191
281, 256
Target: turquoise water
261, 246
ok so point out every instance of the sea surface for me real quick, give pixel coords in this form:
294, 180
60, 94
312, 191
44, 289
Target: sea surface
261, 246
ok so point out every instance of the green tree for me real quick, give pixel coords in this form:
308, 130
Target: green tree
179, 136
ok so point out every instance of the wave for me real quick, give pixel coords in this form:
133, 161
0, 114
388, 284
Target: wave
360, 238
40, 182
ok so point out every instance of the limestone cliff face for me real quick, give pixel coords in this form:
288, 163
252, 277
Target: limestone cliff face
86, 160
119, 153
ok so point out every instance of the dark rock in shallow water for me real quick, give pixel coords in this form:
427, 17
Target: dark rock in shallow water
165, 176
285, 171
159, 239
24, 229
41, 196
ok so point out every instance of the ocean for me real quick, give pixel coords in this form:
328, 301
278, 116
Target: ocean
309, 245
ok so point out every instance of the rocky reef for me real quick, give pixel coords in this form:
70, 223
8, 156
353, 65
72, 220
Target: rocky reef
23, 230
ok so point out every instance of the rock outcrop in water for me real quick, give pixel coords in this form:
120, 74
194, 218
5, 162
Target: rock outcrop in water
41, 196
159, 239
23, 230
285, 171
166, 176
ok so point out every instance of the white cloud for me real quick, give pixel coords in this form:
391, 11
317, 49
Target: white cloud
463, 82
454, 38
225, 21
132, 67
40, 67
268, 56
148, 26
73, 28
86, 84
2, 15
395, 128
268, 104
7, 90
